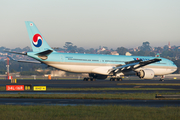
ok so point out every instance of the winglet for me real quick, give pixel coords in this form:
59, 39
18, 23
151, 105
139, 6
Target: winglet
157, 55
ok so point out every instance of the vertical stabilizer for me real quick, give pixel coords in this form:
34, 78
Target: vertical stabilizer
37, 41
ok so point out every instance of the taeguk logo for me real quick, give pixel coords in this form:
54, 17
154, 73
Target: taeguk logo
37, 40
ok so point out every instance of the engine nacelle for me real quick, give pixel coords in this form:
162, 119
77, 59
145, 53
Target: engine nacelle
146, 74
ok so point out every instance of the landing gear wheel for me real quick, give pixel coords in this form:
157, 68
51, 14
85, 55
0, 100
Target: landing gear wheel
162, 78
93, 79
115, 79
119, 79
89, 79
84, 79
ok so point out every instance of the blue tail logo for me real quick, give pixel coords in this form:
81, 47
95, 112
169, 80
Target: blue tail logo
37, 40
38, 43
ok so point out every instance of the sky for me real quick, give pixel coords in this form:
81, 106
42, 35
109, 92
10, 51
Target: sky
91, 23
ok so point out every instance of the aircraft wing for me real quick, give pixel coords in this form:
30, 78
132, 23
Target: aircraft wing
132, 65
26, 61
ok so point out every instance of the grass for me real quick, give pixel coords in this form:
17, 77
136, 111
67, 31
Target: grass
9, 112
151, 84
138, 96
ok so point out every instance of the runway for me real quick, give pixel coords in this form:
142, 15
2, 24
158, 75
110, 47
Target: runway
93, 84
89, 102
90, 84
63, 83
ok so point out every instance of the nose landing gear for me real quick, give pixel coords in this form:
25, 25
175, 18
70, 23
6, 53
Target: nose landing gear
162, 78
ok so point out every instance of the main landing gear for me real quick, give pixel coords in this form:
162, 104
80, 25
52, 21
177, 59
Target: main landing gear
162, 78
115, 79
89, 79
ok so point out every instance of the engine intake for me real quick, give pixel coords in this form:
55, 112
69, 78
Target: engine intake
146, 74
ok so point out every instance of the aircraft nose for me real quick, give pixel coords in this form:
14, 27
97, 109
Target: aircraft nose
175, 67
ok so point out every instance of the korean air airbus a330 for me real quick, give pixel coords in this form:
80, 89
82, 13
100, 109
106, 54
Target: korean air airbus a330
96, 65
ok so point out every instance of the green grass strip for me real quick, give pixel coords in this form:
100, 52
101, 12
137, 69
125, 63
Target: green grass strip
150, 84
80, 112
140, 96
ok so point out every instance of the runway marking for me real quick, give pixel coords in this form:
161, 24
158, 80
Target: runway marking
63, 101
47, 102
28, 103
10, 103
137, 86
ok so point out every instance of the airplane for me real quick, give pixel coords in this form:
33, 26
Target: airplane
98, 66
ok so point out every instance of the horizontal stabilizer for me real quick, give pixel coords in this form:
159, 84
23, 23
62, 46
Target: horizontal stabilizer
16, 52
26, 61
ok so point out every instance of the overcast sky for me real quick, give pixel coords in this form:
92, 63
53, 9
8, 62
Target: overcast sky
91, 23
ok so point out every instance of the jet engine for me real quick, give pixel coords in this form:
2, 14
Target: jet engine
146, 74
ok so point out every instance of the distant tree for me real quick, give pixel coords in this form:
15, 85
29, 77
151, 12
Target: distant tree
12, 71
68, 44
145, 46
80, 50
158, 50
167, 53
121, 50
152, 54
165, 47
2, 49
27, 48
18, 49
2, 72
139, 53
90, 51
69, 47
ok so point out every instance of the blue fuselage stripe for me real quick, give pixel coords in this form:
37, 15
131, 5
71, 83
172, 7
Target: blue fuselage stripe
98, 58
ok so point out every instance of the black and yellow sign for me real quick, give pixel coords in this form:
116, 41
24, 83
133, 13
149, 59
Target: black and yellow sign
39, 88
27, 87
